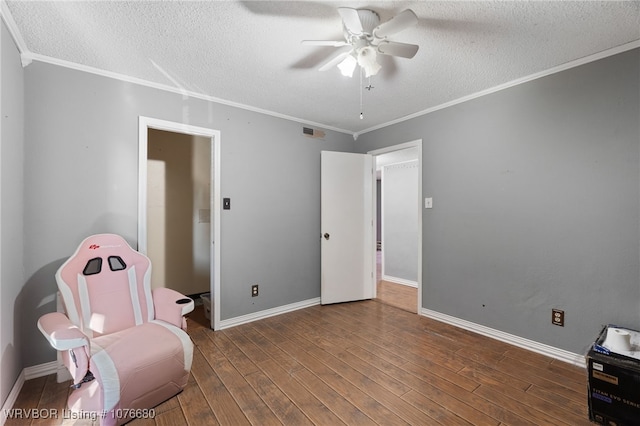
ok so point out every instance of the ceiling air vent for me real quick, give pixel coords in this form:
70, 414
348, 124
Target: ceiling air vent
312, 133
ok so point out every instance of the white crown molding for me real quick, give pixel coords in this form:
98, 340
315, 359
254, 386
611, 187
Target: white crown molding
572, 64
7, 17
27, 57
178, 90
232, 322
541, 348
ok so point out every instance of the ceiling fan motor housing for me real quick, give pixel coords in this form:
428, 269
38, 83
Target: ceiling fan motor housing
369, 20
367, 37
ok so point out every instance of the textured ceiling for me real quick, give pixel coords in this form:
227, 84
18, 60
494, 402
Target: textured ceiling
249, 53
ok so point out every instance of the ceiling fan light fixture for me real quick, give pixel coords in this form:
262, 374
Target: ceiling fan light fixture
367, 60
348, 65
367, 37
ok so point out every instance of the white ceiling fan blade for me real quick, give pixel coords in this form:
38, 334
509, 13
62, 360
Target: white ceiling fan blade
339, 57
324, 43
393, 48
351, 19
396, 24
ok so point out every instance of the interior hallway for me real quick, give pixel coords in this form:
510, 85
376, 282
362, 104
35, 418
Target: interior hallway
397, 295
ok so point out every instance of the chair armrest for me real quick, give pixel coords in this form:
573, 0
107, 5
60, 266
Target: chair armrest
170, 306
61, 333
70, 340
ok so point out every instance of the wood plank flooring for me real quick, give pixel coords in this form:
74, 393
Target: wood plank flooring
398, 295
362, 363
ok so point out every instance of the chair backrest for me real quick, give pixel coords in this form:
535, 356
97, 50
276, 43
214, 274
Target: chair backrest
106, 285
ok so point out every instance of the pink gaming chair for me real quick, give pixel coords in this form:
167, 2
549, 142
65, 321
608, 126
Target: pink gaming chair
124, 344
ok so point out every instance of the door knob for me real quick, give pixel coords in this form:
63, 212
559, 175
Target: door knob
326, 235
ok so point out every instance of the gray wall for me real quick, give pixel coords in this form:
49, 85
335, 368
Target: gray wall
81, 168
536, 193
11, 210
400, 221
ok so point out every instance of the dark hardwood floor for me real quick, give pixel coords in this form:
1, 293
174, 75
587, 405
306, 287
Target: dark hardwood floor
361, 363
398, 295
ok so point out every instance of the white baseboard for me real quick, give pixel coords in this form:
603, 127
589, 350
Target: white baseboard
550, 351
402, 281
232, 322
541, 348
53, 367
28, 373
12, 397
40, 370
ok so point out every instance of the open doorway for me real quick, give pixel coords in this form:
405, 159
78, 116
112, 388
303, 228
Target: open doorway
399, 225
178, 209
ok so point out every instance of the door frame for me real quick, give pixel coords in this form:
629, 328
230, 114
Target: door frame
412, 144
146, 123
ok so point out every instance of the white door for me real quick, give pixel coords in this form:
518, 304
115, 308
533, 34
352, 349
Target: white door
347, 272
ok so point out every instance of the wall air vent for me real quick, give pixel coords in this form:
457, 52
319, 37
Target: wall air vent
313, 133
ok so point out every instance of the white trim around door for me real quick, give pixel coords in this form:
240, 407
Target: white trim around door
146, 123
413, 144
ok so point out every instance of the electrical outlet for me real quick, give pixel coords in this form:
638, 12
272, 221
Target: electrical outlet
557, 317
254, 290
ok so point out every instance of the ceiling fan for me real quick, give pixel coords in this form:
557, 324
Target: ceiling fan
367, 37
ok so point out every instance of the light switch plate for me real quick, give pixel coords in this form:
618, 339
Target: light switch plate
428, 203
